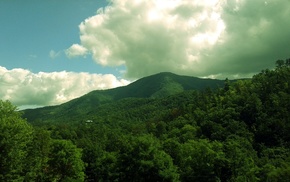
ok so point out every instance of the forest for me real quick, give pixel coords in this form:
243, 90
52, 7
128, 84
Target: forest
237, 132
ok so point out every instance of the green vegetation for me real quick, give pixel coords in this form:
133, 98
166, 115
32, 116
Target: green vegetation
30, 154
238, 132
156, 86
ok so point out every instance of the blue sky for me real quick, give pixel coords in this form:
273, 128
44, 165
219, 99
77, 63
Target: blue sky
55, 50
31, 30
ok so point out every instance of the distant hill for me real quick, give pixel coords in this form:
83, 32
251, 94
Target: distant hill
152, 87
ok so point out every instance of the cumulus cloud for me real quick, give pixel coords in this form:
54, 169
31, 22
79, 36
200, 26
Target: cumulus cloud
23, 87
194, 37
76, 50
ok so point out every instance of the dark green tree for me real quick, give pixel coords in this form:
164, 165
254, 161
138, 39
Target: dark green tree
241, 157
280, 63
15, 134
275, 164
201, 160
38, 155
65, 163
144, 160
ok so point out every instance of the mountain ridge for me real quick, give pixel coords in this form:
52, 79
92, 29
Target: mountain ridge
155, 86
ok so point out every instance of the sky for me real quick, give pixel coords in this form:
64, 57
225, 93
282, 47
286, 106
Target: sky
54, 51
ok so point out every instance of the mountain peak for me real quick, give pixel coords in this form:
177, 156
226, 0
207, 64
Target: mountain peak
155, 86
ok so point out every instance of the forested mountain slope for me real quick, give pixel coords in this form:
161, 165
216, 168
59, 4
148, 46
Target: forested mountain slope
152, 87
239, 132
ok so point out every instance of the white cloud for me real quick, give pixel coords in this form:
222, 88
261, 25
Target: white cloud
76, 50
195, 37
152, 36
23, 87
53, 54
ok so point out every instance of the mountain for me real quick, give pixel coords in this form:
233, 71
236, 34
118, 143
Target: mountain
163, 85
152, 87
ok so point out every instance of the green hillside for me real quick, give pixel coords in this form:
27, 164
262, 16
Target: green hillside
156, 86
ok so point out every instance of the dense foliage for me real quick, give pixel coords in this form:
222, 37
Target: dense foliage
30, 154
236, 133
